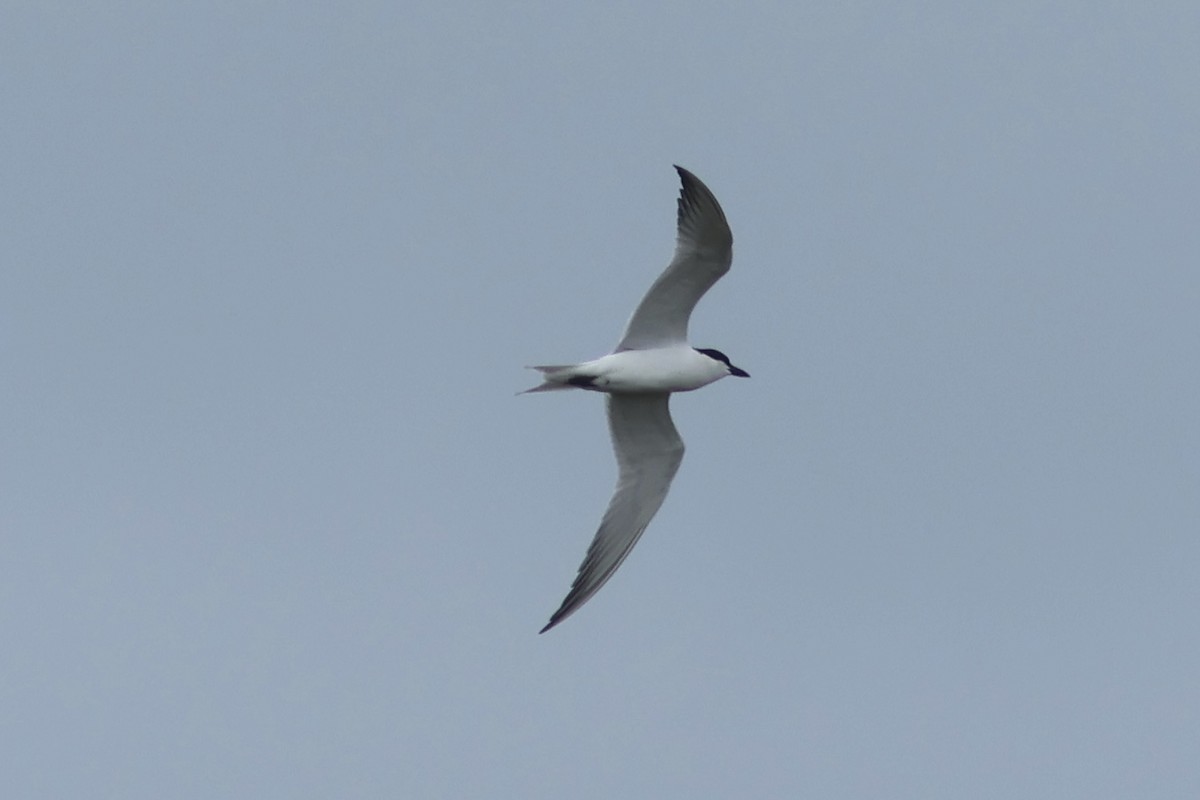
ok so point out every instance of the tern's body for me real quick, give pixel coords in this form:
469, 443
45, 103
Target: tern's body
677, 368
652, 360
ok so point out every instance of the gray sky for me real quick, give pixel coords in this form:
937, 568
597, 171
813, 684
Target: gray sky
275, 526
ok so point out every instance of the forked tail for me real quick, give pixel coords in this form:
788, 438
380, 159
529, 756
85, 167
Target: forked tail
554, 377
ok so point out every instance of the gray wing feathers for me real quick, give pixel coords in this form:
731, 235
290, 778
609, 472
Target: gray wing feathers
649, 452
703, 253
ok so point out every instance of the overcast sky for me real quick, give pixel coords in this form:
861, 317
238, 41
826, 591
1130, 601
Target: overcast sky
274, 525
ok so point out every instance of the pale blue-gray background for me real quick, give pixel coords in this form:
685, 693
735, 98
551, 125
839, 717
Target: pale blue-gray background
275, 526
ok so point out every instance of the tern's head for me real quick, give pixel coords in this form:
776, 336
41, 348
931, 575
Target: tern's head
717, 355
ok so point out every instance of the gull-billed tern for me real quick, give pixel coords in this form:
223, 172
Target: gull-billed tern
652, 360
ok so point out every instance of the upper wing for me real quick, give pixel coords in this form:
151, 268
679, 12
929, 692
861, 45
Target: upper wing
649, 451
703, 252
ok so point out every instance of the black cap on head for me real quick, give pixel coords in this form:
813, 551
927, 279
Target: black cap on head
717, 355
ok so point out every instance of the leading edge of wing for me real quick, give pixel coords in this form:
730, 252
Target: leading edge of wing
649, 451
703, 253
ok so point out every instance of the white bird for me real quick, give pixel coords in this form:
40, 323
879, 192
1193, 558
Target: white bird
652, 360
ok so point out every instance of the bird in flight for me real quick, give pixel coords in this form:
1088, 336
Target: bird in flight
652, 360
